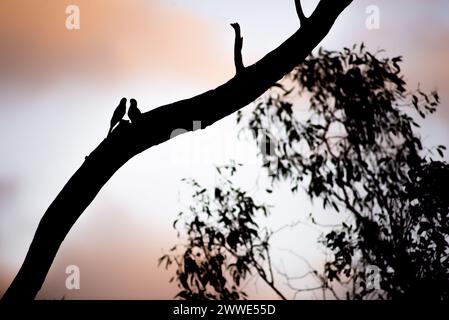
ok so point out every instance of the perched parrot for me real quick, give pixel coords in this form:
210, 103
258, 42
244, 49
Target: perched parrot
134, 113
118, 115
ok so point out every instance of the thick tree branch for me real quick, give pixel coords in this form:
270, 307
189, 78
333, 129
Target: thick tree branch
155, 127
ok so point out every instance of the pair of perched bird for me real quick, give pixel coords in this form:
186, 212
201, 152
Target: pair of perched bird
134, 113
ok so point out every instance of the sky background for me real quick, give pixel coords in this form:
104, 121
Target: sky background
59, 87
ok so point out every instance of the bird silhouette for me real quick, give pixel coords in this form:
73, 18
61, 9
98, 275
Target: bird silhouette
118, 115
134, 113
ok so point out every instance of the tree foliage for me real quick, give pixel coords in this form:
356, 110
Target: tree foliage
223, 242
355, 149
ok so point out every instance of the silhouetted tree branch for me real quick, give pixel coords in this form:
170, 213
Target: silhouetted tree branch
300, 12
155, 127
238, 45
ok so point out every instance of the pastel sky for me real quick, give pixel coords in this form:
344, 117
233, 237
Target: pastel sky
59, 87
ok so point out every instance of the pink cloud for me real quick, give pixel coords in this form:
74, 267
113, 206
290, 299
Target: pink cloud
116, 39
